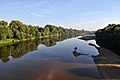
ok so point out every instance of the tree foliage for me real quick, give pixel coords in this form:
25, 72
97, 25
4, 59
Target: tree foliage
109, 35
18, 30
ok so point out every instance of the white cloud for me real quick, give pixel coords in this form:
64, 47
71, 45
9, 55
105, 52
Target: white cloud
93, 13
36, 4
37, 15
92, 25
97, 20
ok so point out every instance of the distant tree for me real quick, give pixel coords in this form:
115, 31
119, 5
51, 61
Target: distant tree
3, 24
18, 30
83, 30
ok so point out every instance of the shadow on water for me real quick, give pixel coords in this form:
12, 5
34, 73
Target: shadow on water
107, 62
84, 72
105, 44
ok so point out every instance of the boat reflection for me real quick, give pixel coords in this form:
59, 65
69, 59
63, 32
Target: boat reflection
76, 53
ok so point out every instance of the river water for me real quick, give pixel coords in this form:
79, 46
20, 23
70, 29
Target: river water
68, 59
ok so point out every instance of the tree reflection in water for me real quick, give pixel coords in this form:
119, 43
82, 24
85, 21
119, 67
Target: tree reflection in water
19, 49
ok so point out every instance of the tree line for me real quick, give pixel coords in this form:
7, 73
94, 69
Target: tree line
18, 30
109, 36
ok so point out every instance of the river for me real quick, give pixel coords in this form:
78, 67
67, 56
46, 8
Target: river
69, 59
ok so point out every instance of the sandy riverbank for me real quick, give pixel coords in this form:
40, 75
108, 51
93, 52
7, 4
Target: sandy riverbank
108, 64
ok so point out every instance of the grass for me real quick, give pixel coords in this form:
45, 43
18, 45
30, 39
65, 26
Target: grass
12, 41
8, 41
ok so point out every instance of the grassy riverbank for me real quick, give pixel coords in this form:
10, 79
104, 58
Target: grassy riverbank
12, 41
107, 63
17, 31
8, 41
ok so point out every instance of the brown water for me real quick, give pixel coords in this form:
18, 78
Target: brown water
49, 59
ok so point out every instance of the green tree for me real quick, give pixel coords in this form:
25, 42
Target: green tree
3, 24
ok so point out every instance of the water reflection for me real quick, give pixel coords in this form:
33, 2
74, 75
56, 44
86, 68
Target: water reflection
76, 53
112, 47
46, 62
19, 49
107, 62
85, 72
16, 50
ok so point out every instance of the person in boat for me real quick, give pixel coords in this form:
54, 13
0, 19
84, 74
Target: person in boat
76, 53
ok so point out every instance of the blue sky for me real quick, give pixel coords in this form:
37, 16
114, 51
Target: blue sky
79, 14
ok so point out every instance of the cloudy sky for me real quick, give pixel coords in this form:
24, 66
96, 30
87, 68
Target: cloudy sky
79, 14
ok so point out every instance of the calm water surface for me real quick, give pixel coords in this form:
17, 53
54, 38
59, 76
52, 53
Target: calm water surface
55, 62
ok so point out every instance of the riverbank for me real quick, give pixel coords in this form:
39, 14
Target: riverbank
108, 64
109, 37
13, 41
87, 37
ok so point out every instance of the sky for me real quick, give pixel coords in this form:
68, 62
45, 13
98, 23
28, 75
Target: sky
78, 14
